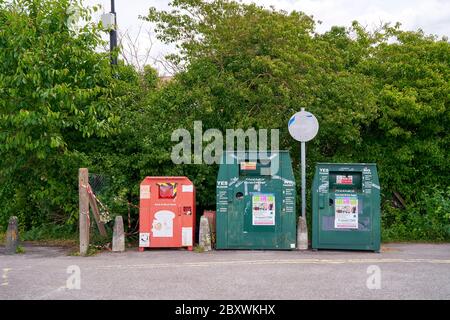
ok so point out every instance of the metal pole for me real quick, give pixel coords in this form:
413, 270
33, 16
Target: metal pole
303, 165
303, 156
113, 34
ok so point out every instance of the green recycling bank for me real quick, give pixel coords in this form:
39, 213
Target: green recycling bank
256, 201
346, 207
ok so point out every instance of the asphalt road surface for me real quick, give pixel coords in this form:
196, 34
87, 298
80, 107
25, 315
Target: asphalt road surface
400, 271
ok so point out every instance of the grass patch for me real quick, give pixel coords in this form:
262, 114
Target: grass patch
51, 236
20, 250
92, 251
2, 238
50, 232
67, 236
199, 249
54, 243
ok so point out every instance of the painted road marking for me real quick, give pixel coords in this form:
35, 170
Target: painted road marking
47, 295
268, 262
5, 276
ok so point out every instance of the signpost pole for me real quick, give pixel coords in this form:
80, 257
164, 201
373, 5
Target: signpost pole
303, 160
303, 126
303, 172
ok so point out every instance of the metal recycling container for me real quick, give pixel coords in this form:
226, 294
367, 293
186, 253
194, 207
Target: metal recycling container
255, 201
346, 207
166, 212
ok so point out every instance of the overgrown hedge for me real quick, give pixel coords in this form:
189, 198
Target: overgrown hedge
380, 96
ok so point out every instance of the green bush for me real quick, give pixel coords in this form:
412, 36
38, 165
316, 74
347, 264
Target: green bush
50, 231
379, 96
57, 92
427, 219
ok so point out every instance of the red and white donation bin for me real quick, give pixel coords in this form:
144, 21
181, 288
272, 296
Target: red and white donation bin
166, 213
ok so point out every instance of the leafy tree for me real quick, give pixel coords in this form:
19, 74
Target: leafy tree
380, 96
247, 66
56, 91
410, 138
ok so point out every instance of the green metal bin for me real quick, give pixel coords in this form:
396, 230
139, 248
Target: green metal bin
256, 201
346, 207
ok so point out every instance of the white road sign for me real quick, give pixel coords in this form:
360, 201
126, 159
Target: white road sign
303, 126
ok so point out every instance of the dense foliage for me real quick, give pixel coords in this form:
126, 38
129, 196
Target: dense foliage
380, 96
55, 92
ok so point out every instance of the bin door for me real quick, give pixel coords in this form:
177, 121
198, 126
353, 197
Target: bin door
165, 227
254, 218
166, 217
344, 220
235, 214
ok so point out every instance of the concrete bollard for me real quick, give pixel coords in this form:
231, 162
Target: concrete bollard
302, 234
204, 234
118, 242
12, 236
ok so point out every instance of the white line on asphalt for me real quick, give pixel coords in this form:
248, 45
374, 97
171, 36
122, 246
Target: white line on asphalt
263, 262
47, 295
5, 276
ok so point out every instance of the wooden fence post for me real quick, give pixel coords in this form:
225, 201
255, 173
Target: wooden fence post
83, 181
96, 213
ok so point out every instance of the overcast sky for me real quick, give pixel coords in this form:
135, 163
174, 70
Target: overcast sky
432, 16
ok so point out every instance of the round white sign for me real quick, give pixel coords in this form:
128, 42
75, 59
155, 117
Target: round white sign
303, 126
